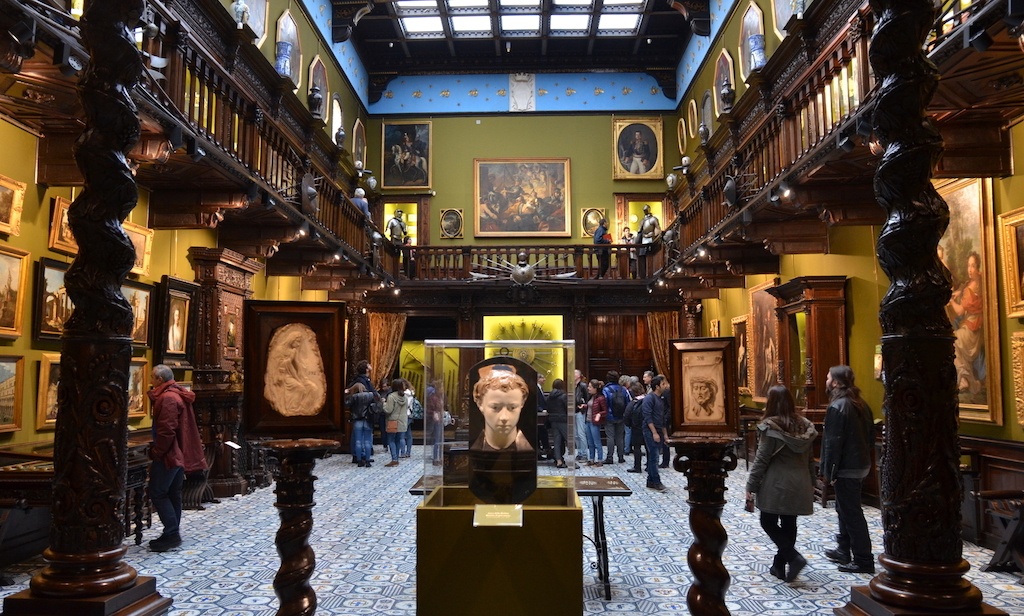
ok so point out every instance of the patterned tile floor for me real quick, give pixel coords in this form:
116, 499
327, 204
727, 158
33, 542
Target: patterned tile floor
364, 538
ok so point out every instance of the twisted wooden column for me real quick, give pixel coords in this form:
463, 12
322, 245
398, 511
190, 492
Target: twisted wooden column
921, 489
706, 462
295, 504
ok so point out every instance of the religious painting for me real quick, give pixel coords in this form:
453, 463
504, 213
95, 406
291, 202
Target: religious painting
14, 265
175, 335
451, 224
638, 148
138, 385
968, 250
46, 399
12, 199
142, 241
703, 385
405, 155
52, 303
739, 332
140, 299
1012, 263
12, 381
294, 368
521, 197
591, 218
763, 335
502, 430
61, 238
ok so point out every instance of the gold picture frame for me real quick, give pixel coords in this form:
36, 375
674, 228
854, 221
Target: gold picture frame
637, 144
739, 332
61, 238
1011, 225
46, 398
521, 197
452, 224
1017, 349
763, 335
12, 200
142, 240
14, 266
590, 219
12, 386
406, 157
138, 385
968, 250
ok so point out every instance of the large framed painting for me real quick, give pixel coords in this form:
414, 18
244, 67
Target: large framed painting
140, 299
637, 149
294, 368
763, 335
138, 385
14, 264
61, 238
46, 399
703, 391
521, 197
12, 383
12, 200
968, 250
1011, 225
142, 241
52, 303
406, 155
739, 332
175, 336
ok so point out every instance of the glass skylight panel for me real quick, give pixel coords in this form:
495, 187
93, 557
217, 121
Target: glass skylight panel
573, 3
405, 7
467, 4
520, 23
471, 25
576, 23
618, 23
423, 26
636, 3
507, 4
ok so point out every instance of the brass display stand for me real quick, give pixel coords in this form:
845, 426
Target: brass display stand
499, 570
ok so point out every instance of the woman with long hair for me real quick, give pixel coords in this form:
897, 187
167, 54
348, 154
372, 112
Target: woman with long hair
783, 478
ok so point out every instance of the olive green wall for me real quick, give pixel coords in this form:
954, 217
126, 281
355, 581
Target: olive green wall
586, 140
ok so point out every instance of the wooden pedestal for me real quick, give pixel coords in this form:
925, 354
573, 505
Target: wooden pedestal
142, 599
499, 571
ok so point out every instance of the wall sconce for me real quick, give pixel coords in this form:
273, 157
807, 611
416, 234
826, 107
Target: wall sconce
977, 37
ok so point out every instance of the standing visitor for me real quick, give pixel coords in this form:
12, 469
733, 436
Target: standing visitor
655, 418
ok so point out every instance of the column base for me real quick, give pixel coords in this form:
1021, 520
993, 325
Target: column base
142, 599
226, 487
863, 604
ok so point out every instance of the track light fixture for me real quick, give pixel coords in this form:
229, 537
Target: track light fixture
781, 194
977, 37
845, 141
23, 35
68, 63
863, 126
194, 150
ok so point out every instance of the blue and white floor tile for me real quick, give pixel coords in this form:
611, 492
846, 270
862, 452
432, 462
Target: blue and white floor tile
364, 537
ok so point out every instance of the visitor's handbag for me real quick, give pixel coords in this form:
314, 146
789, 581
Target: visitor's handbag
749, 505
392, 425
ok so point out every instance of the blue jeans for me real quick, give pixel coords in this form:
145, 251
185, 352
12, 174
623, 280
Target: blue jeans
362, 437
653, 451
391, 441
405, 447
580, 432
165, 493
594, 443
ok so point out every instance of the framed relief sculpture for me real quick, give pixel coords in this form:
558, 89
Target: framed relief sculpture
142, 240
61, 238
521, 197
968, 250
1011, 263
637, 149
294, 368
175, 336
12, 382
46, 399
763, 335
52, 303
703, 385
12, 198
138, 385
451, 224
406, 155
14, 264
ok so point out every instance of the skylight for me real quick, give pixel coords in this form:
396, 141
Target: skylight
574, 22
421, 26
520, 23
471, 25
618, 22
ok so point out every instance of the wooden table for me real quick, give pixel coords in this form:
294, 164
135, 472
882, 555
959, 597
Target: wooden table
594, 487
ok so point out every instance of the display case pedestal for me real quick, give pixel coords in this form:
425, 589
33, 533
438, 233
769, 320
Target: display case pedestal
499, 570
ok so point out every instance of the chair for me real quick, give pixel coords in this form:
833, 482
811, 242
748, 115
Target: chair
1007, 506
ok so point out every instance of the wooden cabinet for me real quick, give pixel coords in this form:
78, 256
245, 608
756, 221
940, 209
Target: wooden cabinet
812, 334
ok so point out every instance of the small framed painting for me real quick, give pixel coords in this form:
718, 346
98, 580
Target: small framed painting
14, 264
52, 303
1011, 263
174, 338
142, 240
61, 239
12, 199
12, 382
451, 224
46, 400
138, 385
140, 299
591, 218
703, 385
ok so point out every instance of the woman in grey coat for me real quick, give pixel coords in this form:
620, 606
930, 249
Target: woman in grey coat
783, 478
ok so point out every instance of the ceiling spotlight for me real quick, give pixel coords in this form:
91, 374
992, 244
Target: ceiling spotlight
845, 141
864, 126
702, 252
23, 35
508, 46
194, 150
977, 37
68, 63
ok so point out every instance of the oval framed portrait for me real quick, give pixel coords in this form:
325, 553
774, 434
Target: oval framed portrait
681, 132
591, 218
451, 224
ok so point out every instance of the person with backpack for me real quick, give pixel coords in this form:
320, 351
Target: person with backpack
617, 399
635, 420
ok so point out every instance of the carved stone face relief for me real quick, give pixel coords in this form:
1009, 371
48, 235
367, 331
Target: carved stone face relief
296, 385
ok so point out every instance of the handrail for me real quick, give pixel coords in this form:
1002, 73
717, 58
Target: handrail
572, 262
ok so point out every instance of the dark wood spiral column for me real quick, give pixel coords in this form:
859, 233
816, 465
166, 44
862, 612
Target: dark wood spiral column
921, 489
295, 504
85, 573
706, 462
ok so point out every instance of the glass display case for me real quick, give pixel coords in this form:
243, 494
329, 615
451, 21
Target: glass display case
490, 446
